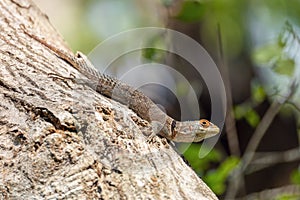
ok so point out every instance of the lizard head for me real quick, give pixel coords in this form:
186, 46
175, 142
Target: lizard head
193, 131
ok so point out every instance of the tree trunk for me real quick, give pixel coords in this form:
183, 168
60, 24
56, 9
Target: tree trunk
63, 140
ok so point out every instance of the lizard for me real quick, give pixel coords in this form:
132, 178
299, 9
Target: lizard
164, 125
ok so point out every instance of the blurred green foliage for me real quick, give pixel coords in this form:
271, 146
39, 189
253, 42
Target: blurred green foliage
191, 11
285, 66
239, 21
156, 52
227, 13
267, 54
258, 93
214, 178
287, 197
246, 110
296, 177
280, 61
200, 165
275, 57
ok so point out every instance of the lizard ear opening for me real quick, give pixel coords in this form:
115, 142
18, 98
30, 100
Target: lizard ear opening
205, 123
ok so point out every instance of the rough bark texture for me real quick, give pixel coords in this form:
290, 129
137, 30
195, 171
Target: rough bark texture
61, 140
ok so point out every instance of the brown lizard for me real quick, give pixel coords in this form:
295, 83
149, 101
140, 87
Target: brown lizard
164, 125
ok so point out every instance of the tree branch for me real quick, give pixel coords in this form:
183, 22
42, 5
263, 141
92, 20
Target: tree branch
231, 132
264, 160
289, 190
255, 140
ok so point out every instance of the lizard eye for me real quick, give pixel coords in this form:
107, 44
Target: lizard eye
205, 123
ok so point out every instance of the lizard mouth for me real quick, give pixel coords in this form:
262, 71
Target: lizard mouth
212, 131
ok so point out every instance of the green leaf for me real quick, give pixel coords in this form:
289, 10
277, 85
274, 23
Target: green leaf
258, 93
216, 179
192, 11
154, 52
245, 111
200, 165
288, 197
296, 177
240, 111
267, 54
252, 118
276, 55
285, 66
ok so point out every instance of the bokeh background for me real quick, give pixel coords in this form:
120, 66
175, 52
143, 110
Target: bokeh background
256, 46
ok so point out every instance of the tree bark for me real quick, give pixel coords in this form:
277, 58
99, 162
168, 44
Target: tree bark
63, 140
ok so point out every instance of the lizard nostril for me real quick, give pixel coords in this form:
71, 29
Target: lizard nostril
205, 123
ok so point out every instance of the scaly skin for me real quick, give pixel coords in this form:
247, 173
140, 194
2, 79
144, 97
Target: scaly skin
164, 125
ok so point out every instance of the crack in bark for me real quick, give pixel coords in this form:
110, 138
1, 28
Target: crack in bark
22, 3
42, 112
8, 87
